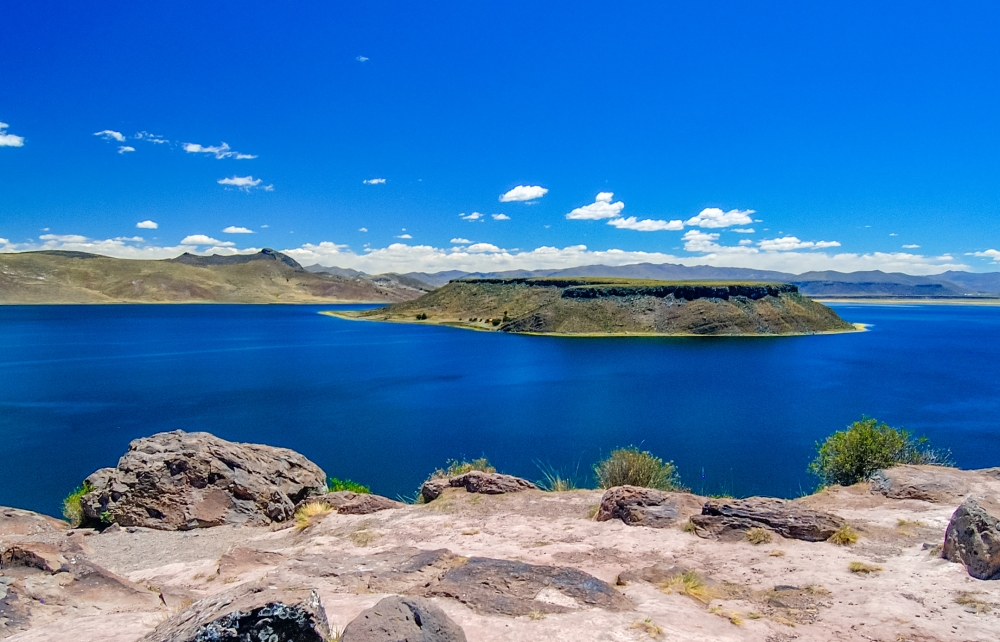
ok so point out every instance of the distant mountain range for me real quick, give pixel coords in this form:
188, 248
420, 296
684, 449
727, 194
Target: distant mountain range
870, 284
265, 277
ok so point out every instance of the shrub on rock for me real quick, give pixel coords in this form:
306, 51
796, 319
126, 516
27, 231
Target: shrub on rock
633, 467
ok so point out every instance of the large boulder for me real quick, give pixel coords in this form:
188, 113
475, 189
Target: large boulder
179, 481
403, 619
476, 481
731, 518
638, 506
249, 614
973, 537
936, 484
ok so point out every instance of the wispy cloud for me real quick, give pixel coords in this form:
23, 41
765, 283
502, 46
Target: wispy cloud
147, 225
245, 183
789, 243
523, 193
109, 134
362, 229
744, 230
150, 138
475, 216
713, 217
910, 246
201, 239
404, 236
988, 254
63, 238
9, 140
645, 225
219, 151
460, 241
124, 149
500, 217
374, 181
233, 229
130, 239
601, 208
362, 59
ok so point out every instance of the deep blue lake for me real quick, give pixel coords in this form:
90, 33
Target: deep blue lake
385, 404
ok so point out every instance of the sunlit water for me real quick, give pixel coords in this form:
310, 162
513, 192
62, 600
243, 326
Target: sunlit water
385, 404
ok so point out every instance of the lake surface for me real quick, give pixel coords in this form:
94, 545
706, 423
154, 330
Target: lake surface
385, 404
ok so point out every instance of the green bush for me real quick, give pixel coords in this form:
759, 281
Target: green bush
867, 446
72, 509
336, 485
633, 467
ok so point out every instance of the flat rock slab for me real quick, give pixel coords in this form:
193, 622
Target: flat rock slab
14, 521
936, 484
638, 506
403, 619
731, 518
179, 481
399, 570
476, 482
504, 587
973, 537
249, 614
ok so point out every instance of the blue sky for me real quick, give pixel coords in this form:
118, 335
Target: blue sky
848, 136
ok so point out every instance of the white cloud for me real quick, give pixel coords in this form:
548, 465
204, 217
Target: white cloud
147, 225
150, 138
601, 208
695, 241
362, 229
459, 241
233, 229
475, 216
713, 217
988, 254
482, 248
63, 238
201, 239
893, 234
130, 239
745, 242
910, 246
645, 225
374, 181
122, 149
245, 183
107, 134
220, 151
523, 193
9, 140
743, 230
500, 217
362, 59
404, 236
789, 243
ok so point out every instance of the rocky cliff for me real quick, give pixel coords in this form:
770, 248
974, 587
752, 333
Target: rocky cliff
617, 306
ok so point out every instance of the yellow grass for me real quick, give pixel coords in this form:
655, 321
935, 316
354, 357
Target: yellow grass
690, 584
844, 536
304, 516
862, 568
758, 536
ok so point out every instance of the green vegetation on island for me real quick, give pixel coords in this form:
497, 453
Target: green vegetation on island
608, 306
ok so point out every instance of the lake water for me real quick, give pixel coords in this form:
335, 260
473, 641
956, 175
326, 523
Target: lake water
385, 404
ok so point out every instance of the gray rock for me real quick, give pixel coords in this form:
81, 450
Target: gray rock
349, 503
491, 586
179, 481
973, 538
248, 614
730, 518
403, 619
476, 481
14, 521
936, 484
638, 506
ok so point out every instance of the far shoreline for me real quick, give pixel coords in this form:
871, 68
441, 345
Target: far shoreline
903, 301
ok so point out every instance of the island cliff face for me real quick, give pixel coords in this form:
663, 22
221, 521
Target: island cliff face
617, 306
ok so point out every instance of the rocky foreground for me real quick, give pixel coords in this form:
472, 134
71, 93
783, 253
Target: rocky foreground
194, 538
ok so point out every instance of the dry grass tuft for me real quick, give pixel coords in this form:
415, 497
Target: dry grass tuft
363, 537
777, 553
304, 516
844, 536
690, 584
758, 536
862, 568
972, 603
536, 615
648, 627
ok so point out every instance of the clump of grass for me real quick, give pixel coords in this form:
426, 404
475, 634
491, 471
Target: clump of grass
862, 568
304, 516
648, 627
844, 536
691, 584
758, 536
777, 553
454, 468
363, 537
867, 446
535, 614
72, 506
689, 527
972, 603
554, 481
633, 467
336, 485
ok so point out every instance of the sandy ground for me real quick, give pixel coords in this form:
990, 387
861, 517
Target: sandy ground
913, 597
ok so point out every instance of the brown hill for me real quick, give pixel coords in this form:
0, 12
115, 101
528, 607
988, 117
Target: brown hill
265, 277
616, 306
